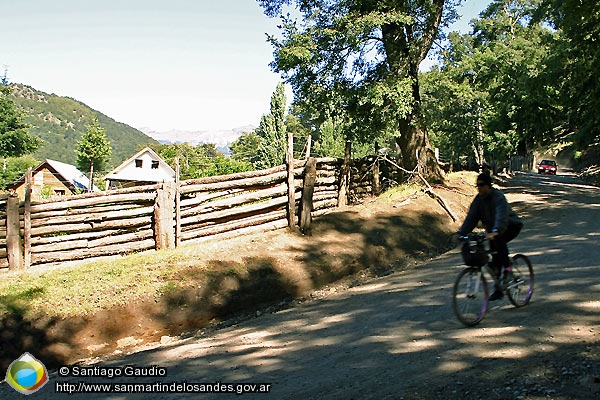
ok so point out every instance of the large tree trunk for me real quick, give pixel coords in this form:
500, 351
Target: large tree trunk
414, 144
404, 51
416, 151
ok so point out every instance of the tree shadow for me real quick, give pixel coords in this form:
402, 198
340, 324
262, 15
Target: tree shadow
19, 335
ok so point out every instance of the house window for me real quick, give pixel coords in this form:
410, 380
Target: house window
154, 164
138, 163
59, 192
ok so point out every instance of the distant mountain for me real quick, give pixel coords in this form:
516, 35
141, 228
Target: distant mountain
221, 138
60, 122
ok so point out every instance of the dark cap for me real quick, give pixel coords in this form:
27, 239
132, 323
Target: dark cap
485, 178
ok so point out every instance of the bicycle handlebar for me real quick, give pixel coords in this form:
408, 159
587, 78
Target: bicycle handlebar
472, 236
478, 237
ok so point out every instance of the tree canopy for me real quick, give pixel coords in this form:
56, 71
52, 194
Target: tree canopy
93, 150
15, 139
576, 63
272, 132
491, 96
517, 83
199, 161
358, 61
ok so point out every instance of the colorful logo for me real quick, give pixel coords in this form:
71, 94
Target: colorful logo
27, 374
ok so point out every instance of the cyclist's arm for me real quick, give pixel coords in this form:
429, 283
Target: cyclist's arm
501, 213
471, 220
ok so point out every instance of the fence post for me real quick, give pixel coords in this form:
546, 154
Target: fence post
376, 179
289, 159
310, 177
164, 218
27, 220
13, 234
308, 146
177, 203
345, 176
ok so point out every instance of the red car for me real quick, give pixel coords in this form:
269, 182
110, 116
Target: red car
547, 167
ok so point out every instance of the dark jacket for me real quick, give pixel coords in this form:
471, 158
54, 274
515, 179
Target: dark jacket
493, 211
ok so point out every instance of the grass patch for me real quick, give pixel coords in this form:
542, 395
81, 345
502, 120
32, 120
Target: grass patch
399, 193
90, 287
467, 176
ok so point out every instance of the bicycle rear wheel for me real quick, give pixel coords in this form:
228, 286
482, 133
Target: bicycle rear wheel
470, 296
520, 288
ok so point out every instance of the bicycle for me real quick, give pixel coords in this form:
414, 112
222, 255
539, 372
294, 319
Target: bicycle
471, 292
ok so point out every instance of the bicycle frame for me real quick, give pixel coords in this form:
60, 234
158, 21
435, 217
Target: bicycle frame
470, 300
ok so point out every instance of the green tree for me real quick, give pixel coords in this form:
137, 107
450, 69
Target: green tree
328, 143
4, 79
576, 63
15, 168
244, 148
272, 132
93, 150
359, 60
199, 161
492, 97
512, 50
15, 139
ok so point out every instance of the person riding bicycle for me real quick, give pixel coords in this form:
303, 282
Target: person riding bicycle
501, 223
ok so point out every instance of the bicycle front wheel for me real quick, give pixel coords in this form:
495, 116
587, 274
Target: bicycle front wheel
520, 288
470, 296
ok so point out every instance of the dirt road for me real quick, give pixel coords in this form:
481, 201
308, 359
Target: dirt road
396, 337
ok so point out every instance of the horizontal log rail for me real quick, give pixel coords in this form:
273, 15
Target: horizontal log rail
91, 201
92, 218
78, 254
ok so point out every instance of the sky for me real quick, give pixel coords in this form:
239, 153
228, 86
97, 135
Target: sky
177, 64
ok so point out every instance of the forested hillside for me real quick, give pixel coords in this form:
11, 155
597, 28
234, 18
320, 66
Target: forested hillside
60, 122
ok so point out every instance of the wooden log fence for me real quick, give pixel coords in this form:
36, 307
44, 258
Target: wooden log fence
165, 215
3, 251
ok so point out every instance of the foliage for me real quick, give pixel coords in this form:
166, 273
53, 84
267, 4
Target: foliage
46, 192
525, 79
15, 139
267, 145
15, 167
223, 165
328, 144
93, 149
300, 132
199, 161
60, 122
244, 148
272, 132
492, 97
357, 62
575, 63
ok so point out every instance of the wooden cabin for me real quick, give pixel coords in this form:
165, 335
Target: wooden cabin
53, 178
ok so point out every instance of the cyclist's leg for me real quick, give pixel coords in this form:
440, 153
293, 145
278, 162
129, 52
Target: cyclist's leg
499, 255
500, 245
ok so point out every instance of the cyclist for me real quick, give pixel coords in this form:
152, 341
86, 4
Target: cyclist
500, 222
